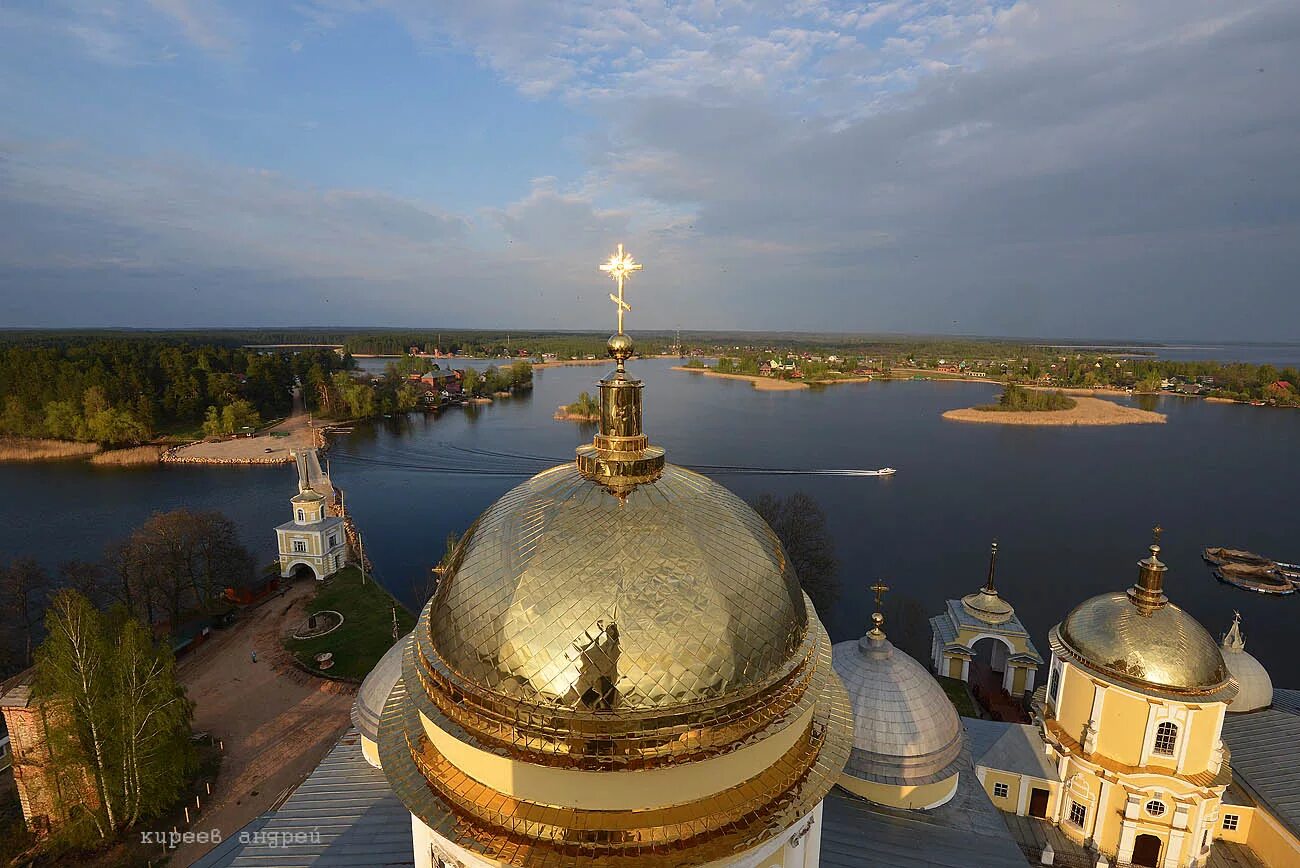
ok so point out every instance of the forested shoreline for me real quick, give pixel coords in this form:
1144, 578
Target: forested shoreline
123, 391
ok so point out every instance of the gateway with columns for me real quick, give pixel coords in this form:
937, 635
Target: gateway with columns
978, 617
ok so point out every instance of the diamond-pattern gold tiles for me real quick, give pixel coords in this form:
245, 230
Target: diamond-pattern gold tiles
565, 596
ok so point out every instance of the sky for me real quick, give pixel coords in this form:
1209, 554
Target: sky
1046, 168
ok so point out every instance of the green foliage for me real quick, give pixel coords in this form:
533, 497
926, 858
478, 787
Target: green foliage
121, 748
586, 406
355, 399
1018, 399
231, 419
120, 390
694, 364
473, 382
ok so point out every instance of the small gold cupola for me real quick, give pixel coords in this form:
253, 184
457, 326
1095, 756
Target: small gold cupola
620, 456
1148, 594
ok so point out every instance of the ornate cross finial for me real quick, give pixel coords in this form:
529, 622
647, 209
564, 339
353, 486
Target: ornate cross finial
879, 589
620, 267
1155, 534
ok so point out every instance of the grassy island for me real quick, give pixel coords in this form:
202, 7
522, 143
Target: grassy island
1018, 399
585, 409
1020, 406
367, 629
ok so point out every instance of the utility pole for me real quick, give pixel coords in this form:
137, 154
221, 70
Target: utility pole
362, 546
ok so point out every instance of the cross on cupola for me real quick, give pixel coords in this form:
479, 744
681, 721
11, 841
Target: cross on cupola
620, 267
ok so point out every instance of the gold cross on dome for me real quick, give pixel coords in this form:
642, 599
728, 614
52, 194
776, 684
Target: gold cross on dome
620, 267
1155, 534
879, 588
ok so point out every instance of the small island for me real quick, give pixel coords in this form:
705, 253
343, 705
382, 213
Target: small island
585, 409
1020, 406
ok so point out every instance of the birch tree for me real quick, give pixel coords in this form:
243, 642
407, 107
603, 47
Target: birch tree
119, 721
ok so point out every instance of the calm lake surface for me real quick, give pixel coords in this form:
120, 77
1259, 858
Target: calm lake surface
1072, 508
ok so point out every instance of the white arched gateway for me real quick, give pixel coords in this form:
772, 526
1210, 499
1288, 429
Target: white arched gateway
977, 617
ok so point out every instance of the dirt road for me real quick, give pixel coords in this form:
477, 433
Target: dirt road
262, 449
276, 721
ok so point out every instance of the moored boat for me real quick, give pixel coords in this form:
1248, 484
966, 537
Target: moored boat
1218, 555
1254, 577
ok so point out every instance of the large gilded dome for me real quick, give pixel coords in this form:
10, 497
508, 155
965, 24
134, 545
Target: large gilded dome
618, 668
1140, 638
677, 588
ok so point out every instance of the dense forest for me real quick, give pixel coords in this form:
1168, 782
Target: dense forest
119, 390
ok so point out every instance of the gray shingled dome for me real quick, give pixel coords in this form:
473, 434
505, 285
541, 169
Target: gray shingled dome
905, 730
375, 688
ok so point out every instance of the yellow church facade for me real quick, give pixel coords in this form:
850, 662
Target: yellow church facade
1133, 715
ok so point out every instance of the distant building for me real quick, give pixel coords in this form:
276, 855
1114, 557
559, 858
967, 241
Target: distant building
313, 539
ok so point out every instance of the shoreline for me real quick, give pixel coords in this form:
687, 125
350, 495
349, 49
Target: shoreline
762, 384
773, 384
1087, 411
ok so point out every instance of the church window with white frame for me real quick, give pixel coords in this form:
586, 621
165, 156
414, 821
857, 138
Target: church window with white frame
300, 546
1166, 739
1078, 814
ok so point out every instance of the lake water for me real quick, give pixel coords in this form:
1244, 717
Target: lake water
1071, 507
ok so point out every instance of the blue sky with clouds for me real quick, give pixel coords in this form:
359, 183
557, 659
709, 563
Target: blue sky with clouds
1043, 167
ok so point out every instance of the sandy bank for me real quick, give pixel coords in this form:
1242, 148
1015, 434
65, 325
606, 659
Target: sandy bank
1087, 411
567, 363
763, 384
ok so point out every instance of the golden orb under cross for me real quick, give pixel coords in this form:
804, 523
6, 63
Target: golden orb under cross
620, 267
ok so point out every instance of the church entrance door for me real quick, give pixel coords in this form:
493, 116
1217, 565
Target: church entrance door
1038, 803
1146, 851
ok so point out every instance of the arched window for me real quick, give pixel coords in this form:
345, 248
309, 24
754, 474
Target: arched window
1053, 683
1166, 739
302, 516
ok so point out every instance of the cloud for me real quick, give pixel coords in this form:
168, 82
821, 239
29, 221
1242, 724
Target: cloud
175, 212
1039, 167
132, 32
548, 219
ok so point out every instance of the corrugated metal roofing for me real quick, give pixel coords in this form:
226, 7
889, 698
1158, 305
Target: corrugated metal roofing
1011, 747
343, 815
966, 832
1263, 745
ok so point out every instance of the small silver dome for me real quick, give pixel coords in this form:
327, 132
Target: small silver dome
1256, 687
905, 730
374, 690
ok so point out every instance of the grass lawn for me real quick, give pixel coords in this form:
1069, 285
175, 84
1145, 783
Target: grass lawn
367, 630
959, 696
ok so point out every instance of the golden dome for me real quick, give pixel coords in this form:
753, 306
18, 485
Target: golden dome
566, 596
1142, 639
624, 616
